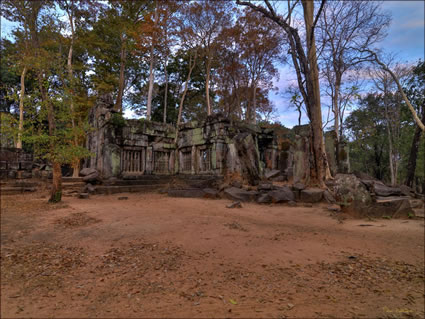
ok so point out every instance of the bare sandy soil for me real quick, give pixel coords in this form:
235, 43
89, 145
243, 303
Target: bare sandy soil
155, 256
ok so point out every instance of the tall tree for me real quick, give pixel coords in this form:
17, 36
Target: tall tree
304, 59
367, 131
387, 69
112, 44
345, 28
24, 13
391, 104
416, 94
260, 47
75, 11
152, 60
207, 19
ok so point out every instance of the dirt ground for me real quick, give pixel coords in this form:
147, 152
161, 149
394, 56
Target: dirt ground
155, 256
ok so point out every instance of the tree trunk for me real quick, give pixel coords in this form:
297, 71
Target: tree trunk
151, 66
253, 112
299, 116
166, 91
390, 152
336, 111
207, 84
121, 83
390, 138
319, 167
21, 108
248, 109
76, 162
151, 79
56, 192
191, 67
400, 89
411, 166
309, 86
238, 106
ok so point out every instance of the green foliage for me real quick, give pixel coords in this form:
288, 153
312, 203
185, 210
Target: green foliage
368, 140
117, 120
8, 130
368, 136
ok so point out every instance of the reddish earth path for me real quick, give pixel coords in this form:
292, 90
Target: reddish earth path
155, 256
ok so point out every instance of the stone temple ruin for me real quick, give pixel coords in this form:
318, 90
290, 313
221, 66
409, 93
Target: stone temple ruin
130, 149
215, 158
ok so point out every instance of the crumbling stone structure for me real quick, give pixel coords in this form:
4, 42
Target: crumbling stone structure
132, 148
217, 146
15, 163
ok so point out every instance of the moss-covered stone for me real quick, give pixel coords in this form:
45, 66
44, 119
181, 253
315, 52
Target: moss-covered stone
213, 158
116, 163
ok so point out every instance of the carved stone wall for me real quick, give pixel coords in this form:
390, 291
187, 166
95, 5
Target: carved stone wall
15, 163
131, 148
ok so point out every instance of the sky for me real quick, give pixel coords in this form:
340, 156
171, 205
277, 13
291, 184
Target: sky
405, 39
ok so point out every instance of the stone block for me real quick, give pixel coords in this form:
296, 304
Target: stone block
11, 174
23, 174
13, 165
271, 173
328, 197
311, 195
383, 190
406, 190
92, 178
89, 188
282, 195
210, 193
264, 199
3, 174
186, 193
393, 207
265, 186
26, 165
240, 194
87, 171
3, 165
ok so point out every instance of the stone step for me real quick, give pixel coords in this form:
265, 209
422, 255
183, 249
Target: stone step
72, 179
187, 193
16, 190
108, 190
198, 177
71, 185
179, 176
147, 177
19, 184
135, 182
124, 182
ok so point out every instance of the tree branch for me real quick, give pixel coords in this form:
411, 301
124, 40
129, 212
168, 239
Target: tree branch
316, 19
400, 88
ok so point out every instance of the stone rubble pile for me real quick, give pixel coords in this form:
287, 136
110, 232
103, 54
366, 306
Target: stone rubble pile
359, 197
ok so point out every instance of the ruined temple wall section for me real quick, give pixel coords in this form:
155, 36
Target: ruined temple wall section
202, 150
129, 148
